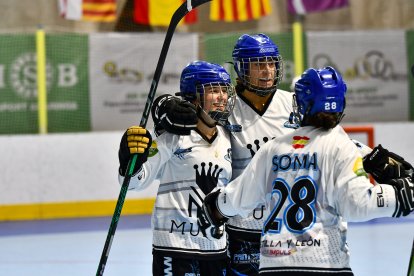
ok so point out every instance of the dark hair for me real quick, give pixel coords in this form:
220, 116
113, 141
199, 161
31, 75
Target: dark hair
324, 120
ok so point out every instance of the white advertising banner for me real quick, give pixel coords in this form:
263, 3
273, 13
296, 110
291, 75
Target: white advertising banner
121, 69
374, 67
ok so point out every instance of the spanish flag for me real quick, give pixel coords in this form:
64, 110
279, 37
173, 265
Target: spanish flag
300, 142
239, 10
88, 10
159, 12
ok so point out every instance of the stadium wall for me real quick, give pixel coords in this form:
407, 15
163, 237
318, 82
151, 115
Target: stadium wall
75, 175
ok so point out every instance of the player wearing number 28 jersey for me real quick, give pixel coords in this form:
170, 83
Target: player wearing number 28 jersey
311, 182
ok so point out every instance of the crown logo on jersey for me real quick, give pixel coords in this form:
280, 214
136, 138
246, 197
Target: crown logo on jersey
256, 145
300, 142
207, 181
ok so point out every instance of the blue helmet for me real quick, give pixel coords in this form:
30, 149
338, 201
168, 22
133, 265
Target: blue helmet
320, 90
201, 76
257, 48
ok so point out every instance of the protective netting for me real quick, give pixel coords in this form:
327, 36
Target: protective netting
66, 76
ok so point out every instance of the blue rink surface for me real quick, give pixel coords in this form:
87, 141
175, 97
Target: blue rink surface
72, 247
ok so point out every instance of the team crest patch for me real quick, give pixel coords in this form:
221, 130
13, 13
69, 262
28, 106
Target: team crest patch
288, 124
359, 168
153, 150
300, 142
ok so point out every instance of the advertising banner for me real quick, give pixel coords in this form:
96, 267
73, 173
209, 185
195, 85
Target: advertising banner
121, 71
374, 67
66, 78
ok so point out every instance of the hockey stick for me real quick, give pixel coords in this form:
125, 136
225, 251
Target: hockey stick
412, 70
411, 262
176, 18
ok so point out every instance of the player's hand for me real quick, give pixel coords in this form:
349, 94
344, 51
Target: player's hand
209, 219
174, 115
384, 165
135, 140
404, 189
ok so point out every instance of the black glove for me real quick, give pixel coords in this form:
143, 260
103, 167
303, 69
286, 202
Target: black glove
210, 217
404, 190
384, 165
174, 115
135, 140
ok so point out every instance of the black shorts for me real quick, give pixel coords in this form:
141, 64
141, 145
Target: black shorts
163, 265
244, 257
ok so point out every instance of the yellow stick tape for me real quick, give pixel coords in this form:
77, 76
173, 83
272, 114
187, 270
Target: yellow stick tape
41, 80
298, 48
73, 209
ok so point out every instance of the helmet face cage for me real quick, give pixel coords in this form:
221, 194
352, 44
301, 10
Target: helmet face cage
217, 99
321, 90
258, 64
208, 85
297, 117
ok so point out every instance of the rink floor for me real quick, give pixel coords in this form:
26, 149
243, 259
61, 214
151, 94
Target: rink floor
72, 247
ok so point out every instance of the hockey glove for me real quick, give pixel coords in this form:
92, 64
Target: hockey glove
135, 140
209, 217
174, 115
384, 165
404, 190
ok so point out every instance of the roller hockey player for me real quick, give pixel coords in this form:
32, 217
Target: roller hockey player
311, 182
188, 167
262, 112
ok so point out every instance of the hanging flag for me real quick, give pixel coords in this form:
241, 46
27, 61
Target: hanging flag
88, 10
309, 6
159, 12
239, 10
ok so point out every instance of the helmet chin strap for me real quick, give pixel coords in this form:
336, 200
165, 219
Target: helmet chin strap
205, 118
206, 126
220, 116
305, 116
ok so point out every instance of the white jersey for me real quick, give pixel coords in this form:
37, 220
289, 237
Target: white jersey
257, 129
182, 165
311, 182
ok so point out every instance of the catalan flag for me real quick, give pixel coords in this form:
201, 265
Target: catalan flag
88, 10
159, 12
239, 10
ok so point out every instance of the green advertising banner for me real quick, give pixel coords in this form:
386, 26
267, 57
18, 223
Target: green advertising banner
66, 77
219, 47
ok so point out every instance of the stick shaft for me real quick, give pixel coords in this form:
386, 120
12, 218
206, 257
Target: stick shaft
176, 18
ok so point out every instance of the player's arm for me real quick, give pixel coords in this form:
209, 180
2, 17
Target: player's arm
384, 165
173, 115
358, 200
404, 191
146, 169
239, 197
210, 215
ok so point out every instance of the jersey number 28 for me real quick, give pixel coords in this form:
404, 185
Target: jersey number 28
299, 214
